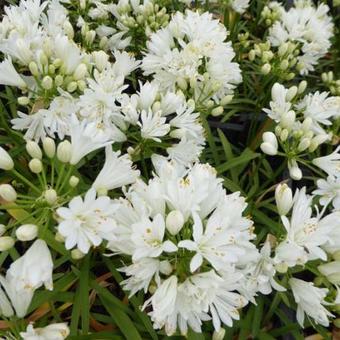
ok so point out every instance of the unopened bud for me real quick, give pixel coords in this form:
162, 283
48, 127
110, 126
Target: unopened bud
64, 151
76, 254
302, 87
47, 83
23, 101
304, 144
8, 193
219, 335
6, 161
6, 243
49, 147
50, 196
33, 68
27, 232
174, 222
100, 59
291, 93
283, 198
265, 69
33, 149
217, 111
73, 182
80, 72
35, 165
294, 170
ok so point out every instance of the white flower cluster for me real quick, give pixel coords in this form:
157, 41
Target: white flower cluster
192, 54
302, 123
191, 248
307, 27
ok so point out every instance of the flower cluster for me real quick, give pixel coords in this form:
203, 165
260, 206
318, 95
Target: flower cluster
133, 199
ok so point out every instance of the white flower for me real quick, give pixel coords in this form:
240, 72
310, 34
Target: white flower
190, 46
116, 172
310, 301
306, 25
54, 331
330, 163
153, 125
9, 75
283, 198
6, 161
26, 274
148, 238
305, 234
329, 190
85, 139
87, 222
240, 6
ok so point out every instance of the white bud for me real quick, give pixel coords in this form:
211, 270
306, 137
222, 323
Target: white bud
100, 59
72, 86
49, 147
283, 198
288, 119
294, 170
6, 243
276, 92
265, 69
73, 182
219, 335
76, 254
101, 191
64, 151
291, 93
174, 222
23, 101
183, 85
47, 83
165, 267
284, 135
6, 161
332, 271
302, 86
283, 49
2, 229
50, 196
281, 268
33, 149
68, 29
59, 238
269, 137
268, 149
217, 111
58, 80
80, 72
27, 232
8, 193
226, 100
33, 68
35, 165
89, 37
304, 144
316, 141
307, 123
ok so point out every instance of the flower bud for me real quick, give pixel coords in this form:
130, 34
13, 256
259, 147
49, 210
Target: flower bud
251, 55
73, 182
283, 49
8, 193
268, 149
294, 170
265, 69
68, 29
174, 222
226, 100
219, 335
269, 145
47, 83
72, 86
6, 243
33, 68
33, 149
50, 196
23, 101
269, 137
27, 232
59, 238
283, 198
332, 271
64, 151
181, 82
35, 165
281, 268
76, 254
288, 119
304, 144
2, 229
284, 135
100, 59
284, 64
49, 147
58, 80
80, 72
90, 36
6, 161
217, 111
165, 267
302, 86
291, 93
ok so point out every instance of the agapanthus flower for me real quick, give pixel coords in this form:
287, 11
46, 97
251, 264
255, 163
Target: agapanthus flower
54, 331
192, 218
191, 52
329, 190
309, 27
330, 163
